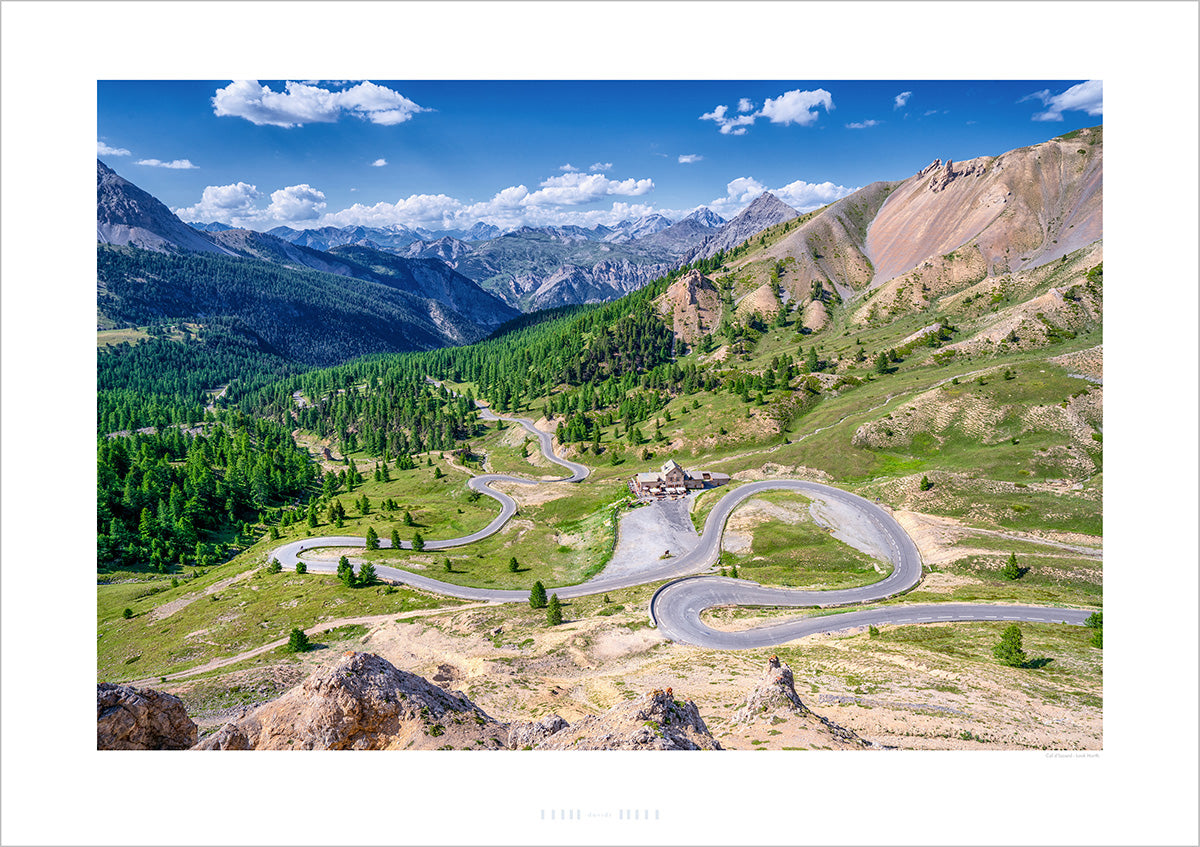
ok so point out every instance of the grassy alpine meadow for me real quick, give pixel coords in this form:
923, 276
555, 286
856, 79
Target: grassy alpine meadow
235, 607
789, 549
434, 494
561, 541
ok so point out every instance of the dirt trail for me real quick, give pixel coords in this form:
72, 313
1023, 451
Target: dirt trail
168, 609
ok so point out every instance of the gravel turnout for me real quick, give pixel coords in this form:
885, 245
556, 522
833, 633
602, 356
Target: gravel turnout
649, 531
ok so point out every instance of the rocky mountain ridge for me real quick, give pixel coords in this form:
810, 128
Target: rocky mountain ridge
127, 215
764, 211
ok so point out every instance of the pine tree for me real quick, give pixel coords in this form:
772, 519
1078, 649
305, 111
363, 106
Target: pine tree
513, 567
925, 483
418, 543
395, 539
297, 641
554, 611
301, 568
408, 519
366, 574
1010, 569
437, 473
1008, 651
372, 538
448, 566
537, 596
345, 572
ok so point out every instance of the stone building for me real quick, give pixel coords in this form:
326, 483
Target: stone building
673, 481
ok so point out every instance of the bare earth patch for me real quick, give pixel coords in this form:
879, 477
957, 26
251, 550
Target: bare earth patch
168, 609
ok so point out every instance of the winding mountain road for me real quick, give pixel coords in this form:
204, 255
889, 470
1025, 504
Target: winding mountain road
676, 606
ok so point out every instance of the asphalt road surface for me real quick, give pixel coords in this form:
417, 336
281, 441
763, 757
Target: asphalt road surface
676, 607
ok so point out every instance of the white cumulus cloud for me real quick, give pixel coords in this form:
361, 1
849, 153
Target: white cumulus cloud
296, 203
901, 100
862, 124
436, 211
1083, 97
300, 103
791, 107
568, 167
175, 164
800, 195
796, 106
103, 149
574, 189
806, 196
379, 163
689, 158
599, 167
225, 203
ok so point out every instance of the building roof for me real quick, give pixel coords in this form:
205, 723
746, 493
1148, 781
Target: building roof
670, 465
648, 477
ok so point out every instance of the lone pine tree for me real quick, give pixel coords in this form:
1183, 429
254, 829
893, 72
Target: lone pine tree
537, 596
554, 611
1008, 651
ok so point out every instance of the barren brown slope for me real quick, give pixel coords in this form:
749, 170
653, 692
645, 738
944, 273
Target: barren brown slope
1023, 208
829, 248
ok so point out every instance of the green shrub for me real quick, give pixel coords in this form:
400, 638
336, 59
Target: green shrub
127, 614
301, 568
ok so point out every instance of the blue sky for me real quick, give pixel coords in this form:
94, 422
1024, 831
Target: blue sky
446, 154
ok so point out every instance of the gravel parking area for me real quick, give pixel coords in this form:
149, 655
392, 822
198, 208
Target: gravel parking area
649, 531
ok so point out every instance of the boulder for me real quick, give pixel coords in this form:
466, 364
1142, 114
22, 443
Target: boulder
362, 702
129, 718
655, 721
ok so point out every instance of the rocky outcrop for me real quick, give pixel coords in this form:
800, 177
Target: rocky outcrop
943, 176
694, 305
362, 702
776, 703
655, 721
524, 735
129, 718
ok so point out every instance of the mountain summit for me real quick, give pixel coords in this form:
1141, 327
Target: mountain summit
766, 210
127, 215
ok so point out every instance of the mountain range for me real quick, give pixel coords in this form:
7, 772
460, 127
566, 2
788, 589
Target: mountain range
311, 306
533, 268
950, 222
